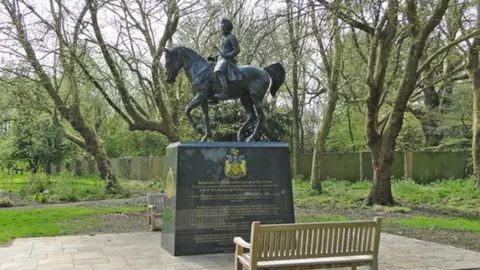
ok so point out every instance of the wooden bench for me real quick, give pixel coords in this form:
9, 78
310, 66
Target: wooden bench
310, 245
155, 208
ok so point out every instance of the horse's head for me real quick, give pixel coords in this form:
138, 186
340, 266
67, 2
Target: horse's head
173, 64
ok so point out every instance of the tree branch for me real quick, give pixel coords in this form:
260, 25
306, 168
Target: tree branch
104, 93
345, 18
445, 48
435, 19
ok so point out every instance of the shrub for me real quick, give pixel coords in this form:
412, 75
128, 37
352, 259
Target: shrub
64, 188
6, 202
37, 183
41, 198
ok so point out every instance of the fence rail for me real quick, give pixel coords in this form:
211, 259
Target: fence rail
422, 167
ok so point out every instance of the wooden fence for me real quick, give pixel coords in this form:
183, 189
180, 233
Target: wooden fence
422, 167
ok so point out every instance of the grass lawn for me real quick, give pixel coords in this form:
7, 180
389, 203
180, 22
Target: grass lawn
67, 188
52, 221
448, 196
445, 211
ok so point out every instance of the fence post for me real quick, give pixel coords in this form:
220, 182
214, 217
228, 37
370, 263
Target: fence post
408, 164
361, 165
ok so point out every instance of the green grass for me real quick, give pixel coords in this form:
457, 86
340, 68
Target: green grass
67, 188
320, 219
460, 224
447, 195
450, 196
48, 221
338, 194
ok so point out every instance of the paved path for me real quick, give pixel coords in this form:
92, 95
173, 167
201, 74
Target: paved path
143, 251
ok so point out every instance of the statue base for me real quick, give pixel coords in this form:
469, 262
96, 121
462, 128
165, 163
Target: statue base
215, 190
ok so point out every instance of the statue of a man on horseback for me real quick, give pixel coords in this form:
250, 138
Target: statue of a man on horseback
249, 84
225, 68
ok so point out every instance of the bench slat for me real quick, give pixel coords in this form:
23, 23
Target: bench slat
335, 240
317, 261
324, 241
330, 240
314, 242
296, 226
369, 239
340, 239
360, 239
295, 257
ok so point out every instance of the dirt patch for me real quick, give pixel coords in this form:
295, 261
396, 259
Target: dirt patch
134, 201
460, 239
108, 223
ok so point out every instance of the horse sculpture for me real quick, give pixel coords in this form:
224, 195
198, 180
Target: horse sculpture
251, 89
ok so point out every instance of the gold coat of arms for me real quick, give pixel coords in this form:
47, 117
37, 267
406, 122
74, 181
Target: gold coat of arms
235, 164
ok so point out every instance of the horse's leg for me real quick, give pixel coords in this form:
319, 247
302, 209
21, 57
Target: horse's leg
206, 121
260, 120
247, 104
196, 101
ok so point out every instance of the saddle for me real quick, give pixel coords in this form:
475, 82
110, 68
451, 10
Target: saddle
234, 73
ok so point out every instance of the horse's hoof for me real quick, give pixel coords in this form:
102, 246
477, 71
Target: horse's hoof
240, 138
250, 139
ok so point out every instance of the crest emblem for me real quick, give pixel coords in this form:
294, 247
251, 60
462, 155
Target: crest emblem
235, 164
170, 183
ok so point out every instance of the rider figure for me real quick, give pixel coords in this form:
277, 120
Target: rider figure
229, 49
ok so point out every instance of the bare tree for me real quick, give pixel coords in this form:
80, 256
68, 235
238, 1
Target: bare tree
382, 134
53, 84
159, 109
296, 32
473, 67
332, 61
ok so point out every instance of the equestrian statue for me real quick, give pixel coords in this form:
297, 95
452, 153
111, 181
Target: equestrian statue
224, 80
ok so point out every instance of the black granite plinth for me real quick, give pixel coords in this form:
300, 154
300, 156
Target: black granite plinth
215, 190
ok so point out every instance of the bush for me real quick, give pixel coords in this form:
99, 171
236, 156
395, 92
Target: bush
38, 183
6, 202
41, 198
64, 188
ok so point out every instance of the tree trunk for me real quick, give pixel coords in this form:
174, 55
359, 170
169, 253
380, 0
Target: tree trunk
381, 192
475, 75
320, 139
430, 125
296, 137
473, 66
295, 54
333, 68
94, 146
112, 186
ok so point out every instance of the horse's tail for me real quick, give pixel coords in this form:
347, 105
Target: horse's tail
277, 75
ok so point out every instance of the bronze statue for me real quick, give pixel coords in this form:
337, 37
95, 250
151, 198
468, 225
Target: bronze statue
248, 83
226, 59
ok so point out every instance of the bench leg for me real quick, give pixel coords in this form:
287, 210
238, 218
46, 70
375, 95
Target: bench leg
154, 222
149, 215
238, 264
374, 265
354, 267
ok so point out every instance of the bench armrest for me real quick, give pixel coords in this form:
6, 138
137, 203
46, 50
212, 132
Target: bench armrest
239, 241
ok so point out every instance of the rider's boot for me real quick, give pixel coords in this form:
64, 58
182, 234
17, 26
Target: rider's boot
223, 85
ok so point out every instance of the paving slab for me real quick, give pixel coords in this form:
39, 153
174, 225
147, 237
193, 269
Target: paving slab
143, 250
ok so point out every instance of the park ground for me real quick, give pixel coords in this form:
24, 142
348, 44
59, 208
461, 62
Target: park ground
445, 212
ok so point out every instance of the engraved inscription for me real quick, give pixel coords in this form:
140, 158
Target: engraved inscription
223, 207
